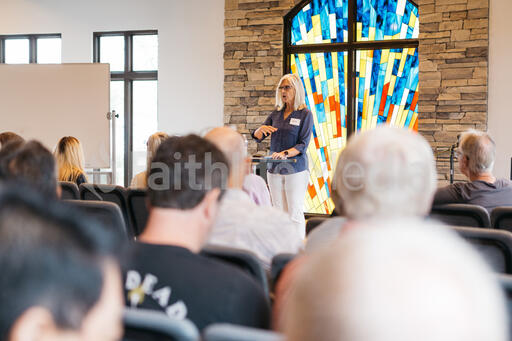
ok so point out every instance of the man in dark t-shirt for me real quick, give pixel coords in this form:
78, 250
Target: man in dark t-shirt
476, 155
187, 285
165, 271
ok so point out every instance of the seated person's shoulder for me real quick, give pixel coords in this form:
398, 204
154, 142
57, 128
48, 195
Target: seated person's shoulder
503, 183
325, 233
197, 269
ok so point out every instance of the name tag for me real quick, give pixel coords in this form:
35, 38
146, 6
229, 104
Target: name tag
295, 122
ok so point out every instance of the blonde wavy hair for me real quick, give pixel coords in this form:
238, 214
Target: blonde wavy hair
153, 143
300, 95
70, 159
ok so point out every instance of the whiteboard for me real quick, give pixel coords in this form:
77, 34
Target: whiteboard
48, 101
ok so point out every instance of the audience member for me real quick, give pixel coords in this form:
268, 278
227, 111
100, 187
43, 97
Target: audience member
257, 190
381, 174
400, 281
476, 155
70, 160
165, 272
34, 165
241, 223
9, 136
59, 278
7, 152
140, 180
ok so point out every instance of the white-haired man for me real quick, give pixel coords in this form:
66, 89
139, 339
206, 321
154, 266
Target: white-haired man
381, 174
241, 223
476, 155
399, 281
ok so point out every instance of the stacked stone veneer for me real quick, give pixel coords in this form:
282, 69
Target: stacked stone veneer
453, 67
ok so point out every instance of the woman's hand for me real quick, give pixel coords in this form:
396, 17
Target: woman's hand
264, 131
279, 156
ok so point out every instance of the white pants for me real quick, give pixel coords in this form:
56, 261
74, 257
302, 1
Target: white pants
288, 193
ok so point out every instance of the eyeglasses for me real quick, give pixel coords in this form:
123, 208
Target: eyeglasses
285, 87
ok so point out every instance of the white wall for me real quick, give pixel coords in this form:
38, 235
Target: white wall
500, 78
191, 46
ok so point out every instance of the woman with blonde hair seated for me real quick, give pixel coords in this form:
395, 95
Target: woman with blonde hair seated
70, 160
140, 180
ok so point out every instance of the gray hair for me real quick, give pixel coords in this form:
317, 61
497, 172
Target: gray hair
479, 149
300, 95
385, 172
396, 281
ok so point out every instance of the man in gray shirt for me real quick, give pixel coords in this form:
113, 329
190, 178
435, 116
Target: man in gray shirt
476, 155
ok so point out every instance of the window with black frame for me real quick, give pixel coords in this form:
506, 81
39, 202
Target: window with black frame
30, 49
133, 59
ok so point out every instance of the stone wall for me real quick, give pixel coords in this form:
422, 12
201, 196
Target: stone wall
454, 40
453, 67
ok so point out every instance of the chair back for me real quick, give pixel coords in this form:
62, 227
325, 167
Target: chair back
137, 209
312, 223
245, 260
69, 190
501, 218
111, 193
105, 212
141, 324
494, 245
461, 215
278, 264
230, 332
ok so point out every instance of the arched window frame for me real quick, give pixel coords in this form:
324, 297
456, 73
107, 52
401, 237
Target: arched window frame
351, 47
322, 182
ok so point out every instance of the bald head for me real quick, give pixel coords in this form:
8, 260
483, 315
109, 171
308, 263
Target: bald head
398, 280
232, 144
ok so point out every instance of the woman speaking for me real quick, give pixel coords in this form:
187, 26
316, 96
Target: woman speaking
290, 127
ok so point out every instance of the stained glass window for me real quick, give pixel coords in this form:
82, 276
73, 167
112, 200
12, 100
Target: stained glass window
387, 88
384, 20
321, 22
355, 76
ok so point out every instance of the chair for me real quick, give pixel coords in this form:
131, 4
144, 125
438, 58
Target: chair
278, 264
312, 223
111, 193
230, 332
461, 215
106, 212
501, 218
69, 190
137, 209
245, 260
494, 245
141, 324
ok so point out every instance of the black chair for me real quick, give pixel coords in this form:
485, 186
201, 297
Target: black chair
111, 193
461, 215
140, 324
501, 218
494, 245
69, 190
245, 260
279, 262
137, 209
312, 223
106, 212
230, 332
